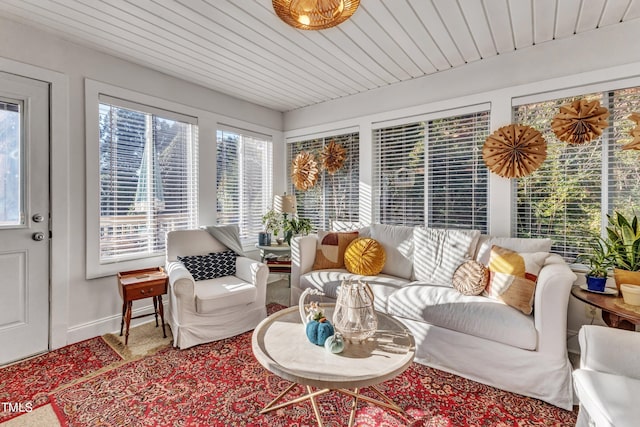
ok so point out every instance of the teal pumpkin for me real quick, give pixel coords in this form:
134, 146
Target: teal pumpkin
334, 344
319, 330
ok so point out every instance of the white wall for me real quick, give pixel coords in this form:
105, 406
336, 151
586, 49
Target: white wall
603, 59
93, 307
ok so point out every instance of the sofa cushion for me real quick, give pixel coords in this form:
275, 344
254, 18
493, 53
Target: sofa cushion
210, 266
471, 278
397, 241
328, 281
517, 244
365, 256
514, 276
438, 252
479, 316
331, 247
223, 292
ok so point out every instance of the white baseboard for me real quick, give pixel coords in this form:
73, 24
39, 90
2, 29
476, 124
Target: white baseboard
111, 324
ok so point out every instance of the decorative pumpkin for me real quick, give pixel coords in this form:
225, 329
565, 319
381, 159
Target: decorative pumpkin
319, 330
334, 344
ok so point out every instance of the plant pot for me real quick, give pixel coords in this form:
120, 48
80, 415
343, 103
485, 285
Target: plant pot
630, 294
626, 276
264, 239
596, 283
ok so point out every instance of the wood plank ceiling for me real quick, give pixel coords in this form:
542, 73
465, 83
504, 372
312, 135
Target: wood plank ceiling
241, 48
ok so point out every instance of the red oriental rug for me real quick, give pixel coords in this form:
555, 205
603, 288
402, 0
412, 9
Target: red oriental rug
29, 382
222, 384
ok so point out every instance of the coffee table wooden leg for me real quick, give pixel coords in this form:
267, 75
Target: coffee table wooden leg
354, 407
316, 410
270, 406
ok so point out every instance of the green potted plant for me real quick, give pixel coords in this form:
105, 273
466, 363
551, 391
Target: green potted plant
599, 260
623, 238
296, 226
272, 222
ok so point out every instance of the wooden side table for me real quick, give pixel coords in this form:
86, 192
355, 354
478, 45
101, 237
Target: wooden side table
615, 312
138, 284
281, 262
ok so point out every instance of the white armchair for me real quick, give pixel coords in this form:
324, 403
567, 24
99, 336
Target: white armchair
608, 381
209, 310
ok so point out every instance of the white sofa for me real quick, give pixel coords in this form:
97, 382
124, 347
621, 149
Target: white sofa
608, 381
209, 310
473, 336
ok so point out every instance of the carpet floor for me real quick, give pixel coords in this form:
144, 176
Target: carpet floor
222, 384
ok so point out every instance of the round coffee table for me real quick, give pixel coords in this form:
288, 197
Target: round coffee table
280, 344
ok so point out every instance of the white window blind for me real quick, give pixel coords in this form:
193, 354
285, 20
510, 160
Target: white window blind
335, 197
565, 199
148, 179
457, 176
244, 179
432, 166
398, 174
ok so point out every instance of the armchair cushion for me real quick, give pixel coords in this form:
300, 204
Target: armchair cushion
223, 292
210, 266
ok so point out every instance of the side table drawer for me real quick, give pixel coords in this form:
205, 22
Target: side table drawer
145, 290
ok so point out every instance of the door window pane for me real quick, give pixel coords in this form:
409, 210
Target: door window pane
11, 194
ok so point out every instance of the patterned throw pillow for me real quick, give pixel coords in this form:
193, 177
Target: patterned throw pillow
331, 247
210, 266
470, 278
514, 276
365, 256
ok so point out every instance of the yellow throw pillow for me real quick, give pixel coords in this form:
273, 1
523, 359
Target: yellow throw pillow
331, 248
365, 256
514, 276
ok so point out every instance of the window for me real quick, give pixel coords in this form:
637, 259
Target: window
148, 178
432, 166
335, 197
244, 164
565, 199
11, 195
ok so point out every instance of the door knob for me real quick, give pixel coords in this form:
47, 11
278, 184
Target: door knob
37, 218
38, 236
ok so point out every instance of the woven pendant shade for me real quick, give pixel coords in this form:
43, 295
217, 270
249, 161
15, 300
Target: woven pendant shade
332, 157
635, 133
314, 14
514, 151
580, 122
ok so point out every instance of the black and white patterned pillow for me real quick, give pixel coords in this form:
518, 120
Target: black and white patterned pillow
210, 266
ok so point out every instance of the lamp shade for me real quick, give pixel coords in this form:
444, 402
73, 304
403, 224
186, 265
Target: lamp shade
314, 14
285, 203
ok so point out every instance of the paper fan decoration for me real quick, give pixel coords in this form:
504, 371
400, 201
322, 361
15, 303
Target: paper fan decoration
635, 133
304, 171
580, 122
332, 157
514, 151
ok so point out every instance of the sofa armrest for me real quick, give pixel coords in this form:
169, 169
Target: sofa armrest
610, 350
303, 255
181, 282
551, 304
252, 271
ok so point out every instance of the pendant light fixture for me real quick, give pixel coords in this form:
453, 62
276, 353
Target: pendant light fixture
314, 14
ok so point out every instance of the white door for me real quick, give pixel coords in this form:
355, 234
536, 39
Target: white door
24, 217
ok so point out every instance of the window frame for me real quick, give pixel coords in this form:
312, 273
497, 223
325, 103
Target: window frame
323, 139
243, 133
483, 107
93, 91
604, 88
